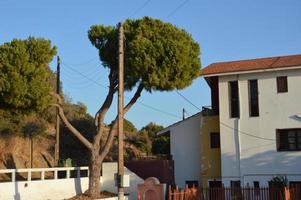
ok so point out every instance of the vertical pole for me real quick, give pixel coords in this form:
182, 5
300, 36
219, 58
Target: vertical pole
120, 113
31, 151
183, 113
57, 128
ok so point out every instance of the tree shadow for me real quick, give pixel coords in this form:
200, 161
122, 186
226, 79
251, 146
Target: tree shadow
11, 164
46, 160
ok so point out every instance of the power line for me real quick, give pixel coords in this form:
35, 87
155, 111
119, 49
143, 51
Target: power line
245, 133
138, 102
139, 8
186, 99
224, 124
86, 62
88, 78
176, 9
158, 110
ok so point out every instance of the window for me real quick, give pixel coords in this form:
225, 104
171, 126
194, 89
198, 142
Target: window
282, 84
256, 188
215, 140
191, 184
253, 98
256, 184
288, 139
234, 99
235, 190
235, 184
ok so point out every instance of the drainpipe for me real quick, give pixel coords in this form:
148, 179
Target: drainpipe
237, 147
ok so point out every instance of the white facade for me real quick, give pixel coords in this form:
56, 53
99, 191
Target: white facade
248, 144
185, 149
63, 188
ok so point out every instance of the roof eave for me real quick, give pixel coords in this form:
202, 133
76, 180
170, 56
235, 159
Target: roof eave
251, 71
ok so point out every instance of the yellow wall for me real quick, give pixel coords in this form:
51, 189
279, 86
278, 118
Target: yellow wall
210, 157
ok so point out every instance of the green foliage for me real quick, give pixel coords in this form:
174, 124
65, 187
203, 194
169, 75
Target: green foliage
279, 182
24, 73
70, 146
151, 129
144, 143
33, 128
7, 125
159, 55
161, 145
129, 126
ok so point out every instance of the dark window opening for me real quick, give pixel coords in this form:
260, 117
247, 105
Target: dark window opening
256, 184
235, 184
288, 139
215, 184
282, 84
215, 140
191, 184
234, 99
256, 188
253, 98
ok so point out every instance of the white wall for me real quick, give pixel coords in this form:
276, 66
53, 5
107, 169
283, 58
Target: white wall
185, 149
58, 189
108, 184
255, 157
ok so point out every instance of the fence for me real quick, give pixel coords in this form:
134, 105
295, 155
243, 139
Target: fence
222, 193
58, 183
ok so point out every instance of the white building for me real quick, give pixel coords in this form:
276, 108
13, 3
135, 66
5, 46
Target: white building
259, 106
185, 149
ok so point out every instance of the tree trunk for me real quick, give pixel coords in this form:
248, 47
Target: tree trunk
94, 174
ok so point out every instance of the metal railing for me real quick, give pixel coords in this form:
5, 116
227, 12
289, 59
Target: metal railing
55, 173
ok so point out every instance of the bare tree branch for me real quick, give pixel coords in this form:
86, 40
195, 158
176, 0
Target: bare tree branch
73, 130
99, 118
106, 148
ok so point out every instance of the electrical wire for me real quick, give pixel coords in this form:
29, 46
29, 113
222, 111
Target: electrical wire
226, 125
186, 99
176, 9
139, 8
138, 102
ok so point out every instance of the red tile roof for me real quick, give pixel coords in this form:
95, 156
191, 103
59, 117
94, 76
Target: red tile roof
253, 64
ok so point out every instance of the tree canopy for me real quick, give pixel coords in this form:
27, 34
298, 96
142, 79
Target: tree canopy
158, 55
25, 74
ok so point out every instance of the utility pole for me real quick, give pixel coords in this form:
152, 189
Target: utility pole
120, 113
31, 150
57, 127
183, 113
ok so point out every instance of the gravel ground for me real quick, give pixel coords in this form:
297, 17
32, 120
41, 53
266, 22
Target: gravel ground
86, 197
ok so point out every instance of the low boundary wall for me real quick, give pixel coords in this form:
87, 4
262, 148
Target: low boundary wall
58, 183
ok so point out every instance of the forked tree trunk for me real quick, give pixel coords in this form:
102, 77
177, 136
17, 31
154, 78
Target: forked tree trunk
94, 175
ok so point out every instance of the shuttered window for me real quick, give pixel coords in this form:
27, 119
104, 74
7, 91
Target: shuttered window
234, 99
253, 98
282, 84
288, 139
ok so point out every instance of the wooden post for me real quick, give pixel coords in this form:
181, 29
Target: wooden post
287, 193
31, 150
120, 113
57, 127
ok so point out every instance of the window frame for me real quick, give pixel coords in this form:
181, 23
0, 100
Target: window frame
285, 144
234, 101
253, 98
215, 144
280, 80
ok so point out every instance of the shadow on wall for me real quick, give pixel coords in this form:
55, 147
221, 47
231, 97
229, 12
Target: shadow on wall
268, 162
11, 164
77, 185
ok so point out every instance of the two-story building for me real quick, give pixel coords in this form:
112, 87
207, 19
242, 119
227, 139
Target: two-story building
259, 106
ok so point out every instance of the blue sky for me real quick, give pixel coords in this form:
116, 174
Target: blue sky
225, 30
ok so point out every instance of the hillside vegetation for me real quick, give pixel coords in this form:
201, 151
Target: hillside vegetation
16, 132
